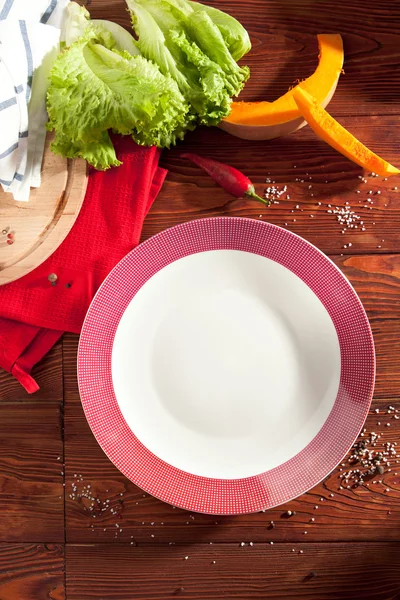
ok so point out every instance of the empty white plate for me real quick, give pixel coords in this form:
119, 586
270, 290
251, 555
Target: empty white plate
226, 366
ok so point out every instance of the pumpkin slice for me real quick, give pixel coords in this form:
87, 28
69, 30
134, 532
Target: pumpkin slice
338, 137
267, 120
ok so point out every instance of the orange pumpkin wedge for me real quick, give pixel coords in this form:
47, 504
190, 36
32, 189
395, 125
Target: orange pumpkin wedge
267, 120
338, 137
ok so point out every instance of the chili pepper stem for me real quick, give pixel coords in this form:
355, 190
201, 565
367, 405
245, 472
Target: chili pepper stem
252, 194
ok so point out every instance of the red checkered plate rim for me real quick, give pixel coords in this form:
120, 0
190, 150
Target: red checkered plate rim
280, 484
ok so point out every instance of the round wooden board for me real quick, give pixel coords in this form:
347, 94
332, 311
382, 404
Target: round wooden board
40, 225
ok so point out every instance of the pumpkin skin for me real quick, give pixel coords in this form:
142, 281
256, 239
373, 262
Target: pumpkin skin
338, 137
268, 120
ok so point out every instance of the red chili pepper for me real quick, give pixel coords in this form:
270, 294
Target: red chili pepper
232, 180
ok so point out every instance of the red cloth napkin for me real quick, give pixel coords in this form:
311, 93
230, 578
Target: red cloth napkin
34, 313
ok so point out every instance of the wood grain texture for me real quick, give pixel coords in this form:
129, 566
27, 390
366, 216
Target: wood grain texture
377, 281
132, 515
40, 225
298, 162
259, 571
285, 47
31, 572
136, 548
48, 374
31, 480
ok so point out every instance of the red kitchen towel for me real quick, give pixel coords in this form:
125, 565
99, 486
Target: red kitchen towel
35, 311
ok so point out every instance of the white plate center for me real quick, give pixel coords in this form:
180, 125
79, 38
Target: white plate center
225, 364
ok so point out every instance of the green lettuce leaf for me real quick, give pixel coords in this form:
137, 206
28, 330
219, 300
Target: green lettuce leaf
190, 47
99, 153
236, 37
94, 88
74, 23
181, 71
77, 21
122, 38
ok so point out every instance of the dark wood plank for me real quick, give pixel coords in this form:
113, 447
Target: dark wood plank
367, 513
189, 193
31, 480
323, 571
70, 342
47, 373
377, 281
31, 572
285, 48
157, 538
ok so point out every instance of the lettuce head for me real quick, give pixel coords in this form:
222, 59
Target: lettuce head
194, 44
179, 71
95, 87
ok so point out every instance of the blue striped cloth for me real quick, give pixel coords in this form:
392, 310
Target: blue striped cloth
29, 42
48, 12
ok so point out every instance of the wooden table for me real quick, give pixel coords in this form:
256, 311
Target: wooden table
51, 546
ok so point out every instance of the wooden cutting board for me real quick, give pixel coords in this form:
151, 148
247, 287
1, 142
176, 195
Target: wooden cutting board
31, 231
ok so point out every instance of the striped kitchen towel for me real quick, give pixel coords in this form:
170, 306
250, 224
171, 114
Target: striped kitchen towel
29, 43
48, 12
